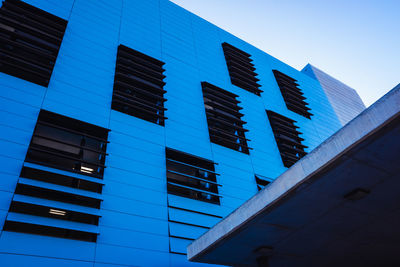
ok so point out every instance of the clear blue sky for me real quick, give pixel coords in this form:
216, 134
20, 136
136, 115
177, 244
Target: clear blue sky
355, 41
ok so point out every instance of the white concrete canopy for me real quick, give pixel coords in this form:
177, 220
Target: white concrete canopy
338, 206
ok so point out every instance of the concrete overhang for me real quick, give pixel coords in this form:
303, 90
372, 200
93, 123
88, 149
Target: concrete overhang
338, 206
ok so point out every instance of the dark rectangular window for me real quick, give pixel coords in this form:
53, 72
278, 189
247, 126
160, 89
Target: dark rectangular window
59, 142
191, 176
56, 195
53, 212
225, 125
49, 231
262, 182
68, 144
32, 199
292, 94
30, 39
55, 178
139, 86
287, 137
241, 69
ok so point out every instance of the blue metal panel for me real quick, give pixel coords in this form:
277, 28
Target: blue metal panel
11, 134
133, 239
192, 218
3, 215
135, 166
134, 222
135, 179
176, 34
5, 200
186, 128
187, 231
178, 245
10, 165
15, 107
140, 26
96, 264
137, 192
136, 128
211, 60
8, 182
12, 150
19, 92
133, 207
137, 153
130, 256
199, 206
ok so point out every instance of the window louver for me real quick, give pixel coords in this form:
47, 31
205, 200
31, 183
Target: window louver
30, 39
53, 202
138, 86
262, 181
287, 138
241, 69
191, 177
292, 94
49, 231
225, 125
185, 225
68, 144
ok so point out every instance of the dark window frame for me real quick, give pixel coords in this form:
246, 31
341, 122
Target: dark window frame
225, 124
29, 228
191, 176
139, 86
30, 39
53, 212
292, 95
59, 179
241, 69
262, 181
68, 144
287, 138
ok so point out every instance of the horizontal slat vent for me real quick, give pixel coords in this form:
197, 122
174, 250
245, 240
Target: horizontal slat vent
139, 86
30, 39
287, 137
185, 225
29, 228
241, 69
262, 181
191, 176
292, 94
48, 201
225, 125
53, 212
43, 194
59, 179
68, 144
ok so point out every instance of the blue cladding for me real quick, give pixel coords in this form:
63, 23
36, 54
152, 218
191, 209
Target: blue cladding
141, 224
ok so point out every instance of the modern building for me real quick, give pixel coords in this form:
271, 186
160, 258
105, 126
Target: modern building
129, 128
345, 101
338, 206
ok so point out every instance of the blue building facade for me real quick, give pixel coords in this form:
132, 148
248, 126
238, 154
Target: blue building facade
130, 209
345, 101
